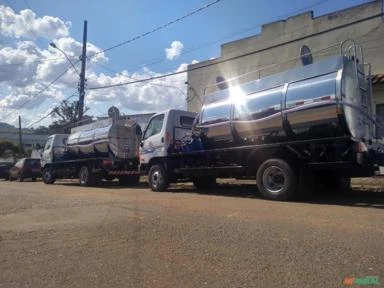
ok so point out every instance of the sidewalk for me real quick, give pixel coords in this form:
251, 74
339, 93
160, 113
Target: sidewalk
375, 183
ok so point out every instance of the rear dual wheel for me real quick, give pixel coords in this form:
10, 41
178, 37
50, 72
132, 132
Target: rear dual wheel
276, 180
88, 178
85, 176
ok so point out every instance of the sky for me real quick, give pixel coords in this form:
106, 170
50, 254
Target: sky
35, 77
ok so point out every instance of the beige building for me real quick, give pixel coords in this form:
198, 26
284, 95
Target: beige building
280, 44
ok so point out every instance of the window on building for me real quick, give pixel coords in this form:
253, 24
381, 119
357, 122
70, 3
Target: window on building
306, 55
216, 113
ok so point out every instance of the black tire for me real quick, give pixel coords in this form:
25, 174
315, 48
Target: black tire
34, 179
48, 178
157, 178
21, 177
205, 182
85, 176
276, 180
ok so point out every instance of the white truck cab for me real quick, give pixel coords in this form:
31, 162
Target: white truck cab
54, 146
163, 130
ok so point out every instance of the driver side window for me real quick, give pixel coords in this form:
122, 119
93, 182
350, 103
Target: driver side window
154, 127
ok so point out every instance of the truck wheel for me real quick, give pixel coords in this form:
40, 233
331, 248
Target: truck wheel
48, 178
21, 177
157, 178
276, 180
85, 176
204, 182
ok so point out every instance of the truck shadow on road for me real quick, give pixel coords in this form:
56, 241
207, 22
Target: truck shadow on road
355, 198
105, 184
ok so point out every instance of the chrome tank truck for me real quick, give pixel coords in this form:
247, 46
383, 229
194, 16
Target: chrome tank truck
105, 149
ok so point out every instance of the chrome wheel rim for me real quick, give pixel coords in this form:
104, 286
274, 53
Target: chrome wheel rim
274, 179
83, 176
47, 176
156, 179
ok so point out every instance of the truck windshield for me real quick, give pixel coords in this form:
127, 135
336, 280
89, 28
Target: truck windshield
48, 144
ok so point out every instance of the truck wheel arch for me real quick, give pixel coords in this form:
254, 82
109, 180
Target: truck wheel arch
258, 156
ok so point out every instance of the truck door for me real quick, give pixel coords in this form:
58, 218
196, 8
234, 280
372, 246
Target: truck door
47, 156
152, 144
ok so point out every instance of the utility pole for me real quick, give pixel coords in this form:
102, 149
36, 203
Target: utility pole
82, 73
20, 140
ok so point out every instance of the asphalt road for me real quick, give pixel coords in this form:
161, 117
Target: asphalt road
63, 235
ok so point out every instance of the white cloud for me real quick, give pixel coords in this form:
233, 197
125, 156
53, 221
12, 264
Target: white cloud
174, 50
27, 69
151, 96
27, 25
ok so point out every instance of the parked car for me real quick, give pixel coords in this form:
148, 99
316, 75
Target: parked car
4, 169
25, 168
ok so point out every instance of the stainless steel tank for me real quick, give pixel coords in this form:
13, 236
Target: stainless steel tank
328, 98
116, 138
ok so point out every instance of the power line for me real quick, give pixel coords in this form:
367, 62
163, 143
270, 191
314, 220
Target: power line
50, 113
155, 61
132, 39
135, 79
236, 57
162, 59
157, 28
138, 81
39, 92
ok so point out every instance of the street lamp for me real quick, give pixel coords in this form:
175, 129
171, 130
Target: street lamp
69, 60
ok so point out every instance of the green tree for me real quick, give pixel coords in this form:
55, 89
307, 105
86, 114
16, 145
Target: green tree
67, 114
42, 130
8, 148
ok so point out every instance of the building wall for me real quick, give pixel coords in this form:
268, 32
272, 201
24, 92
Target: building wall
277, 47
29, 140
